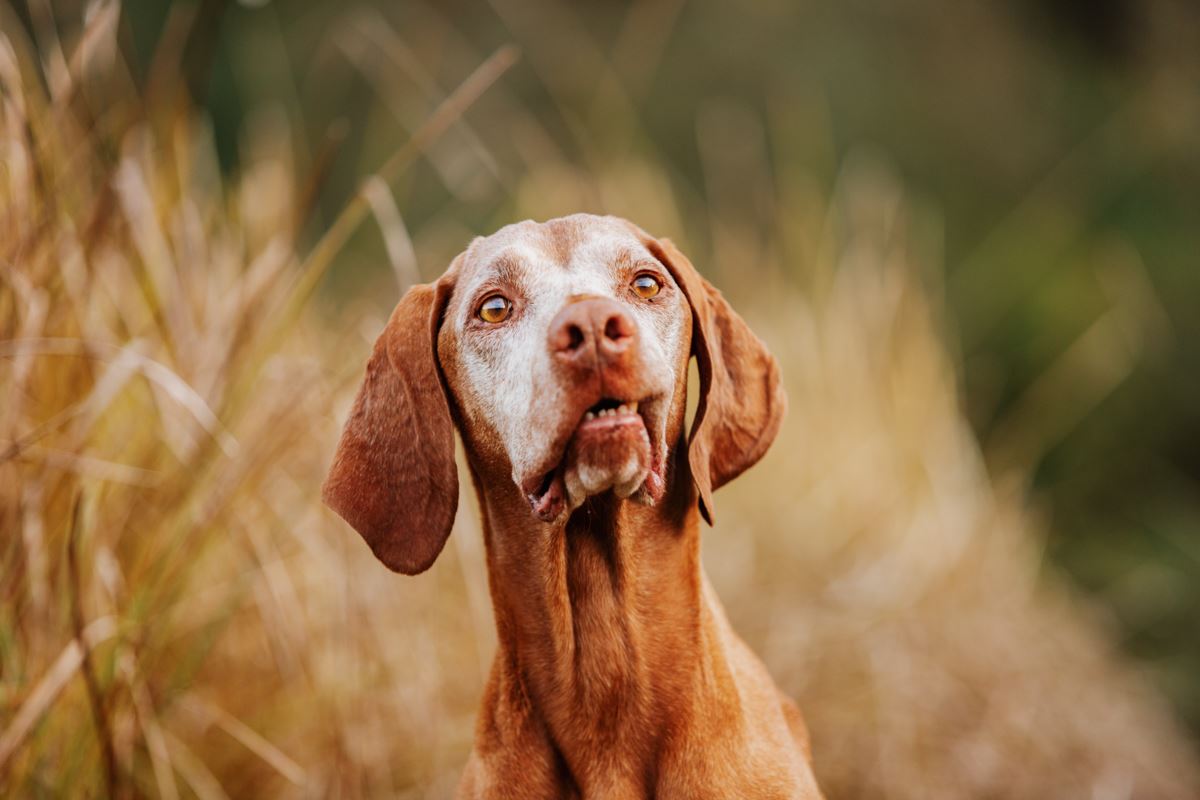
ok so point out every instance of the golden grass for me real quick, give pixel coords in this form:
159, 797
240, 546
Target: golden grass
181, 617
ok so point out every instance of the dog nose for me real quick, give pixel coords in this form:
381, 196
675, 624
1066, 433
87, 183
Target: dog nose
593, 330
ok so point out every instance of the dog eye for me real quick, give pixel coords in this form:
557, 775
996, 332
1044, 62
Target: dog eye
495, 309
646, 286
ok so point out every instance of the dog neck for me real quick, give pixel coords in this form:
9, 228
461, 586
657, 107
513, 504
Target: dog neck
602, 619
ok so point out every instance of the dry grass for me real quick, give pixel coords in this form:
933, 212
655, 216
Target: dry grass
181, 617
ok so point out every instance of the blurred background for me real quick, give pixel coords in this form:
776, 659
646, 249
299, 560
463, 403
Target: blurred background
970, 231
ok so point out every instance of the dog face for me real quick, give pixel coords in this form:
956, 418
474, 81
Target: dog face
562, 348
565, 347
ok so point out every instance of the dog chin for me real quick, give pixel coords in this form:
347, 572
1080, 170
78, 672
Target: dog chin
607, 452
616, 457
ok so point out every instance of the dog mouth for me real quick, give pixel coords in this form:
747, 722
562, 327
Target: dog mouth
608, 407
608, 449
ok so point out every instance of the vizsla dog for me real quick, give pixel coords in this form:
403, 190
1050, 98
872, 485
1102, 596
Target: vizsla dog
560, 352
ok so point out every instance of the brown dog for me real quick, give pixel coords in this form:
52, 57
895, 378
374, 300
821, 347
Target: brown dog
560, 350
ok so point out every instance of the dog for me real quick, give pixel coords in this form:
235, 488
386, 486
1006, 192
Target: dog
560, 352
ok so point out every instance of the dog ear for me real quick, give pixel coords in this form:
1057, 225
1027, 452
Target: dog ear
742, 402
393, 477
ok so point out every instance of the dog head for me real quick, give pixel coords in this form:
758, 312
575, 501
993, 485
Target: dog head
561, 349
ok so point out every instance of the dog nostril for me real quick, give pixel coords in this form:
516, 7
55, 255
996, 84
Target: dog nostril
617, 328
574, 337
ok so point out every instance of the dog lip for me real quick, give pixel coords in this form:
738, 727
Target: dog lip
609, 408
539, 483
548, 500
611, 413
607, 421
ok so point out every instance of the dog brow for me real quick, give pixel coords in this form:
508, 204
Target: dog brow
626, 257
507, 268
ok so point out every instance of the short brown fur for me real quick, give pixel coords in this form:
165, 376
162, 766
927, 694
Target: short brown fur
617, 674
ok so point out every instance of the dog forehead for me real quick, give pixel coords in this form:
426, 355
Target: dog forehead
582, 245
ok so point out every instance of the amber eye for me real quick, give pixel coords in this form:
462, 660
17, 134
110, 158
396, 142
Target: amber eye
646, 285
495, 309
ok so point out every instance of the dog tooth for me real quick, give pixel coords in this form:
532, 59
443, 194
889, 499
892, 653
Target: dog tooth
633, 408
589, 415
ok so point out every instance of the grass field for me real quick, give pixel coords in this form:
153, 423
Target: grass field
179, 616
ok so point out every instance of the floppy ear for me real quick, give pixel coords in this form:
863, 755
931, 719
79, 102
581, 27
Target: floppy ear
742, 402
393, 477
